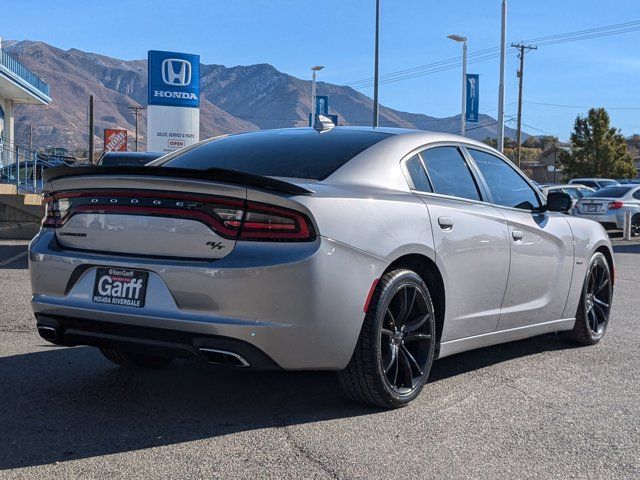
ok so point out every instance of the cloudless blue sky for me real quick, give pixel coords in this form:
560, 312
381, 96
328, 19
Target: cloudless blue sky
295, 34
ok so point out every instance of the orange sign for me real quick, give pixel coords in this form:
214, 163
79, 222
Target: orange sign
115, 140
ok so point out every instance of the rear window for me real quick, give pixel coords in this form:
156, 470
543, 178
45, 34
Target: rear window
610, 192
607, 183
293, 153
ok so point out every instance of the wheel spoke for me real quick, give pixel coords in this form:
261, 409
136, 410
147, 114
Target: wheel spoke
387, 332
593, 320
389, 314
414, 337
600, 303
598, 311
416, 324
412, 360
602, 284
407, 379
392, 360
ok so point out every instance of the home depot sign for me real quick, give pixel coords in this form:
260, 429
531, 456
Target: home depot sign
115, 140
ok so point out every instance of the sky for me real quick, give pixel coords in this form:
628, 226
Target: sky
561, 80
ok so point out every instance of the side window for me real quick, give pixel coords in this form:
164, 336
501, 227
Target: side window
572, 192
636, 194
417, 175
587, 183
507, 187
449, 173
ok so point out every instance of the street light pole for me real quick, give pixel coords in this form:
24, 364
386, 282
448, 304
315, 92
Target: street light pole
463, 40
315, 69
375, 67
503, 55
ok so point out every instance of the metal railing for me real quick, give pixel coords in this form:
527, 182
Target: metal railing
12, 65
21, 167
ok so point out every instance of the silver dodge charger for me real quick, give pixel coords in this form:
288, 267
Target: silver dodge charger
370, 252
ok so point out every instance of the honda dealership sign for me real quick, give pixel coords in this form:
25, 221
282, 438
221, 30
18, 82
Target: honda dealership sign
173, 114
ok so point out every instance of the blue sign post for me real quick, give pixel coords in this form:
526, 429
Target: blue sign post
322, 108
174, 79
473, 96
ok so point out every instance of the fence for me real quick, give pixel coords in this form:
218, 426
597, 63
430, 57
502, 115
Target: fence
21, 167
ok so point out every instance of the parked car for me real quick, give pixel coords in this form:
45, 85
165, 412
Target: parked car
131, 159
625, 181
608, 206
370, 252
595, 183
576, 191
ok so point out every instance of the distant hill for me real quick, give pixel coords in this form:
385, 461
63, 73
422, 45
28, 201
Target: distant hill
234, 99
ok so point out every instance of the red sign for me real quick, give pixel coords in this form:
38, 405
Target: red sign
115, 140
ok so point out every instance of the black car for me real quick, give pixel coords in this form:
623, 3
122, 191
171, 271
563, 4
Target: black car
127, 159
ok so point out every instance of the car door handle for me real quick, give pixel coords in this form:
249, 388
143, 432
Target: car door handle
517, 235
446, 223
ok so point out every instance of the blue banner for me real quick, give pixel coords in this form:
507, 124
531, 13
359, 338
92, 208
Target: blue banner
473, 95
322, 105
174, 79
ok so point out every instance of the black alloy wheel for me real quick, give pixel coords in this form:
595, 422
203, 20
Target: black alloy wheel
396, 348
594, 310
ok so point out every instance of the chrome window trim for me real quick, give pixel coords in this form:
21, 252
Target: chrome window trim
510, 164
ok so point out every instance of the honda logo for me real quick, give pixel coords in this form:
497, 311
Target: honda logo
176, 72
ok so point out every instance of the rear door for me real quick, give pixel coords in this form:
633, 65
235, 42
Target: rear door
470, 237
541, 263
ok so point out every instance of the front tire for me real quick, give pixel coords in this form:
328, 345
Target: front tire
592, 317
134, 360
395, 350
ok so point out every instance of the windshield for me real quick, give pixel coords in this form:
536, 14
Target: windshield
610, 192
607, 183
293, 153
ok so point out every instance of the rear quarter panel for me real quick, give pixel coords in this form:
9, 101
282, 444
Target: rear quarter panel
588, 236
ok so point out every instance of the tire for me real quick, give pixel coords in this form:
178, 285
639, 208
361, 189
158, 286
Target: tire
134, 360
635, 225
381, 373
594, 309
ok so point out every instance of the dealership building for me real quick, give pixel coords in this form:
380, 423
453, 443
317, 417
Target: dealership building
18, 85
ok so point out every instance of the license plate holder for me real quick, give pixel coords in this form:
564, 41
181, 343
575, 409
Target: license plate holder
120, 286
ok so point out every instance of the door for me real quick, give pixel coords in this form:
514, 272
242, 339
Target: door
471, 241
541, 246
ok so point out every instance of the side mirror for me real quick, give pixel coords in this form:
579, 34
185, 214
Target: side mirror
559, 202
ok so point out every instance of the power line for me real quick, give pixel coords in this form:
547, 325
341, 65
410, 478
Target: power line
578, 106
491, 53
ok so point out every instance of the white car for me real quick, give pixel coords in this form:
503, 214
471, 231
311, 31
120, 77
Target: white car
576, 191
609, 205
595, 183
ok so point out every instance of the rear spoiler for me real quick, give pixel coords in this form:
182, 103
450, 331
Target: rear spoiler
216, 174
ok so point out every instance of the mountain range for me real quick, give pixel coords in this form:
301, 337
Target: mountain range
233, 99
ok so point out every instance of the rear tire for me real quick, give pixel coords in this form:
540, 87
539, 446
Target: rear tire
395, 350
635, 225
594, 309
134, 360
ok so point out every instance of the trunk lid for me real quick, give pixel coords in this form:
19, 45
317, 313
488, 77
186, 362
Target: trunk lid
155, 211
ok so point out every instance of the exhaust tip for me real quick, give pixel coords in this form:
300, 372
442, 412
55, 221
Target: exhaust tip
222, 357
48, 333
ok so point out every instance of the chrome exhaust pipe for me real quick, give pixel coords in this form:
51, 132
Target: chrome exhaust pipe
48, 333
222, 357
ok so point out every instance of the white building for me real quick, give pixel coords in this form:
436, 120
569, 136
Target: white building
18, 85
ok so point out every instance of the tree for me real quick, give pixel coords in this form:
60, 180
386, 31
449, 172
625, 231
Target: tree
542, 142
598, 150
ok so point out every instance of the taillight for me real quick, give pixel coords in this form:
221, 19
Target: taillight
615, 205
55, 210
271, 223
229, 218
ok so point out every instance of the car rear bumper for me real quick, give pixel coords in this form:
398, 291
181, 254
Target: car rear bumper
608, 218
295, 306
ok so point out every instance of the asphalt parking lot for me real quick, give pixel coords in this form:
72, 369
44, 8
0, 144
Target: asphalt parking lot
533, 409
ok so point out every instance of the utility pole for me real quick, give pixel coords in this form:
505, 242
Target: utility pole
136, 109
503, 56
523, 49
375, 67
90, 129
